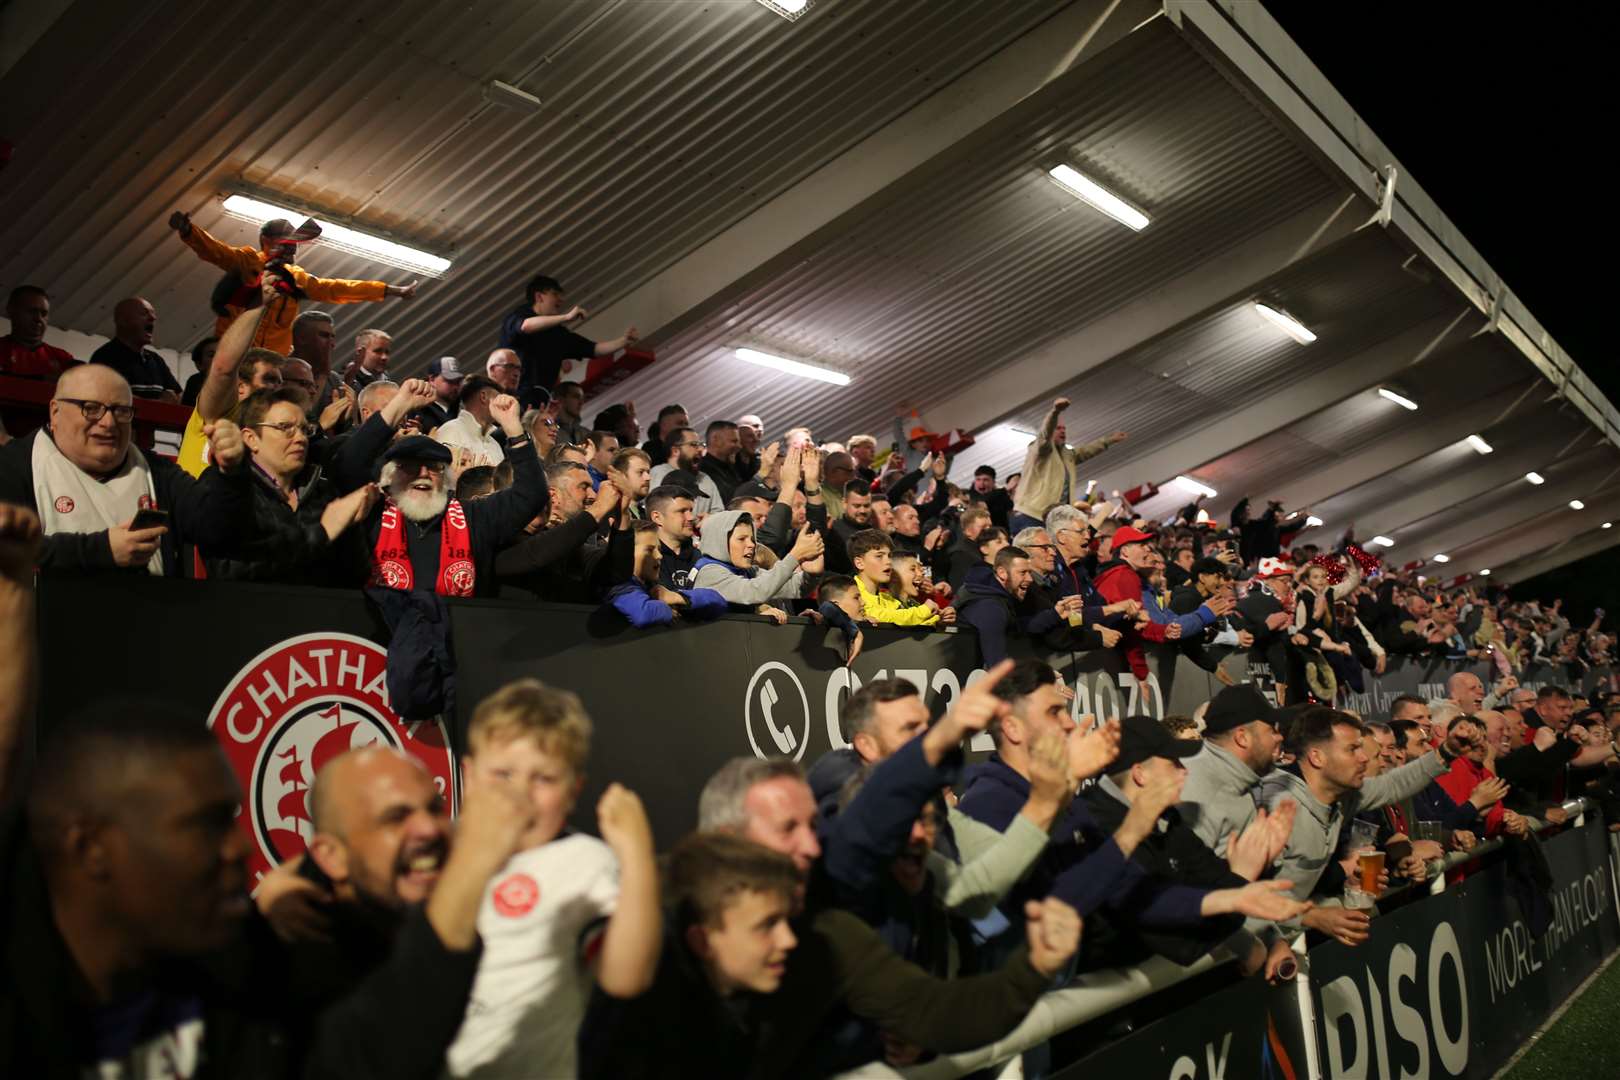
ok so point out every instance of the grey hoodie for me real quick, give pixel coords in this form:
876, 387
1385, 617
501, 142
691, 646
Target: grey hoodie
1316, 825
784, 581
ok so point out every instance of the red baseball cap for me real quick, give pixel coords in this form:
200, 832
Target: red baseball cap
1130, 535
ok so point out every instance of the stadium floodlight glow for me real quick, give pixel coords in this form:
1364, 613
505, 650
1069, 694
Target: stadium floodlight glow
1608, 524
788, 9
793, 367
1442, 558
355, 242
1404, 402
1312, 521
1187, 483
1097, 197
1479, 444
1285, 322
1383, 541
1576, 504
1485, 572
1535, 478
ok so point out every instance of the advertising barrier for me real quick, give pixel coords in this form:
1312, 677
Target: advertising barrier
290, 678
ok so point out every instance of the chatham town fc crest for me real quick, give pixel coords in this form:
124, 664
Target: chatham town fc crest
293, 708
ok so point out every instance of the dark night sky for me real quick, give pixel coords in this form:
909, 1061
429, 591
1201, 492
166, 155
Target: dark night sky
1486, 104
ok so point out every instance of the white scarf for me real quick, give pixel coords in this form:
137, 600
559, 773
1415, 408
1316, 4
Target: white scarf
70, 500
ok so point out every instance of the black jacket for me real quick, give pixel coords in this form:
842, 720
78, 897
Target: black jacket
493, 522
963, 556
1172, 853
566, 563
212, 511
290, 546
724, 474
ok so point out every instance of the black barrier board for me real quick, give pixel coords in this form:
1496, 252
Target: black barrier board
1249, 1031
1454, 985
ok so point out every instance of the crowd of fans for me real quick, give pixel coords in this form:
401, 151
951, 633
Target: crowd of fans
892, 902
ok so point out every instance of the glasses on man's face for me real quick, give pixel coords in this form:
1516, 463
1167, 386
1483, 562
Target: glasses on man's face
699, 445
507, 367
417, 468
94, 410
289, 428
1040, 547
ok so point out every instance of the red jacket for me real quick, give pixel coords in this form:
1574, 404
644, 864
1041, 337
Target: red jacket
1119, 581
1460, 783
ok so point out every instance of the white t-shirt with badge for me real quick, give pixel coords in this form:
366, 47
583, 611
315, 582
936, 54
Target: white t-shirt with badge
541, 923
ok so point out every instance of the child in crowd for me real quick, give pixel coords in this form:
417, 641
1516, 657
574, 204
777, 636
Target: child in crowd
840, 602
566, 909
645, 602
870, 550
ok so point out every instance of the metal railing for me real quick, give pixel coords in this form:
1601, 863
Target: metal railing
1097, 993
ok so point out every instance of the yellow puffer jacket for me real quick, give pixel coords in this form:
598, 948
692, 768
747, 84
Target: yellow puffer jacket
883, 608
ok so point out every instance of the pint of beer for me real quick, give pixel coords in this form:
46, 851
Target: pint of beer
1372, 865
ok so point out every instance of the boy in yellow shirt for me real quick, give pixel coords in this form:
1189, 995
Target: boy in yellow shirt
870, 551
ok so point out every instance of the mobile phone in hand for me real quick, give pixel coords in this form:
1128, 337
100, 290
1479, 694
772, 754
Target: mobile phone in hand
149, 518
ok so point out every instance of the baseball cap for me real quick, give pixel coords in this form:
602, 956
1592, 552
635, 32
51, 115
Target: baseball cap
446, 367
1142, 737
1237, 705
1130, 535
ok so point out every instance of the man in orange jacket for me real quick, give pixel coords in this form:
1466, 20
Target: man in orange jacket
247, 264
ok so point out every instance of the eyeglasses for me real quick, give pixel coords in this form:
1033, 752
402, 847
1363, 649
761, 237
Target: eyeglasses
505, 367
1040, 547
415, 468
696, 444
289, 428
94, 410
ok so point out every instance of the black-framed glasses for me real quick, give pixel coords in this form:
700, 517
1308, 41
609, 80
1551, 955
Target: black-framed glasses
289, 428
94, 410
1040, 547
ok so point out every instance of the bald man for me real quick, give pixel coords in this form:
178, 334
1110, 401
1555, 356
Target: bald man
129, 352
1466, 689
403, 894
88, 483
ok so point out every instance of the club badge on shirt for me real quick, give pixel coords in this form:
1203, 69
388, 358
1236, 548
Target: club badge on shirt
516, 895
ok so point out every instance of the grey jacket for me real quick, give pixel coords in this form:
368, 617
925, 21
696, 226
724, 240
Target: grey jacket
1317, 825
784, 581
1220, 796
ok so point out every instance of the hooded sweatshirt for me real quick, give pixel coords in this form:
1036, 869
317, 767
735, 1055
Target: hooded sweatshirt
784, 581
1317, 824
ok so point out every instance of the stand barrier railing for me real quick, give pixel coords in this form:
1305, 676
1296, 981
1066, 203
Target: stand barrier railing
1449, 984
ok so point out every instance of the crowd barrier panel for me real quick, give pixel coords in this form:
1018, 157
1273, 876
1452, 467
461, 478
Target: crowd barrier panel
1450, 985
289, 677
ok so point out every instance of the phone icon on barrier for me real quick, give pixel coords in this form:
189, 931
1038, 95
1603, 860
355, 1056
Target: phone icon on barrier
785, 742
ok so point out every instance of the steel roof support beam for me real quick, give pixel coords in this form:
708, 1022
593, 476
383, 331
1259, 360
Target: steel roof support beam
1207, 286
1227, 432
1421, 438
1563, 556
1511, 510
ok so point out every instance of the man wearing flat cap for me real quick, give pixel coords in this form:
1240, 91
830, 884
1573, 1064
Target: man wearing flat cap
1149, 755
420, 536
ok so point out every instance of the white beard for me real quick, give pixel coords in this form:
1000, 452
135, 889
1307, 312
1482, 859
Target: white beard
420, 506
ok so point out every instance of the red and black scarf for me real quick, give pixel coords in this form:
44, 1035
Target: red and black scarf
391, 561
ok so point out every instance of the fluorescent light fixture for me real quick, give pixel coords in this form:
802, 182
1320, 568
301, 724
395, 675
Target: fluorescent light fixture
1383, 541
1312, 521
380, 249
1442, 558
1026, 433
1535, 478
1576, 504
1404, 402
1285, 322
1187, 483
1608, 524
511, 97
793, 367
1485, 572
1203, 517
788, 9
1097, 197
1479, 444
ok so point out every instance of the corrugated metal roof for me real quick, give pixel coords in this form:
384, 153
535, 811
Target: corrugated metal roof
663, 122
983, 256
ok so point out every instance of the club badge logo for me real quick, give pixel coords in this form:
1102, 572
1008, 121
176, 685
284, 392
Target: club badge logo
295, 707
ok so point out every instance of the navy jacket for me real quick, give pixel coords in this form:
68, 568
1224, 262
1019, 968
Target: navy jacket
991, 610
1434, 804
1082, 866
